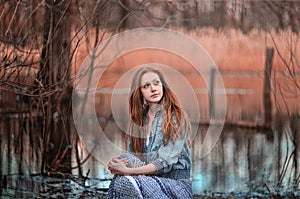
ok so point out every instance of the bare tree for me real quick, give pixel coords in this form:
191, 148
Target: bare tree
39, 39
53, 77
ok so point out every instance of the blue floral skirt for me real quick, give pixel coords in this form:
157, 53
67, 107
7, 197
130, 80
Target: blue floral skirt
153, 187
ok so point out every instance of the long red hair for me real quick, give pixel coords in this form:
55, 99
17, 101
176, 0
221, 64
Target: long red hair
172, 111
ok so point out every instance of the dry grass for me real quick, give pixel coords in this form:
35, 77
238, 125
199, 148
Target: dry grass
230, 49
233, 52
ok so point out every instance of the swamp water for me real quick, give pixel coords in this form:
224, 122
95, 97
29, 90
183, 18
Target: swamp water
245, 163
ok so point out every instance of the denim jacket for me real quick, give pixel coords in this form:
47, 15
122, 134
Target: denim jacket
172, 160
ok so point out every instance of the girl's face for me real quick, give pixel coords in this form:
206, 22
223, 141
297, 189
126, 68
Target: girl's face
151, 88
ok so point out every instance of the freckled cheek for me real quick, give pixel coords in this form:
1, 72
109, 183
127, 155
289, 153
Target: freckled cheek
145, 93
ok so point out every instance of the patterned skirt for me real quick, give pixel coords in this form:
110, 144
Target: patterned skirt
153, 187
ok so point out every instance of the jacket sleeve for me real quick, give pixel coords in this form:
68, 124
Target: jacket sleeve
168, 155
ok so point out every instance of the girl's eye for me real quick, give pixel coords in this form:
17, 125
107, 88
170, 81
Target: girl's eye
146, 85
156, 82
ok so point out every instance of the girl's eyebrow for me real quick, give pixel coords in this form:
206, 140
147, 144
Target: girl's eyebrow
142, 83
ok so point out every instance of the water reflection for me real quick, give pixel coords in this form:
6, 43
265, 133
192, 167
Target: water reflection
245, 160
242, 161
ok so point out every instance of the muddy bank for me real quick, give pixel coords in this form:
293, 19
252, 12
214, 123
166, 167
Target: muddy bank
40, 186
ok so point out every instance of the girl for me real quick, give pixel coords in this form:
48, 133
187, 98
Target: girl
158, 164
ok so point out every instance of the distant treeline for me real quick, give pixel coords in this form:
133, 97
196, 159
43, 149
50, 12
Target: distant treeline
23, 21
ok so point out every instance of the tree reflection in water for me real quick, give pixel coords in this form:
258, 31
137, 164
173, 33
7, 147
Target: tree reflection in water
244, 162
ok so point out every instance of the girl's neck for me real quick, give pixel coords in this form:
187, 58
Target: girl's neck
153, 110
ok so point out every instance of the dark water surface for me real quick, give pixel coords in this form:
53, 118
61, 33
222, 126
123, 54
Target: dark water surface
245, 163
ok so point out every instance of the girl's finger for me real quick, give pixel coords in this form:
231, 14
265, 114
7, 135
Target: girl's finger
124, 160
116, 160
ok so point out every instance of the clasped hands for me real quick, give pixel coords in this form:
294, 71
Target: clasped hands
118, 166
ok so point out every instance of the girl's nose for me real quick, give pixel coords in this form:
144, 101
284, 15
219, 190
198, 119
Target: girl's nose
153, 88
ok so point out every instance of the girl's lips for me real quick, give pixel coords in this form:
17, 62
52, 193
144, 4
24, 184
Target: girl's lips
154, 95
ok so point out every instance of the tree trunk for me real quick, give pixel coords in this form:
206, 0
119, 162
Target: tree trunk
55, 95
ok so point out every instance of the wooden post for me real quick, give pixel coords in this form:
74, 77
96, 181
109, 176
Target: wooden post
267, 86
211, 92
